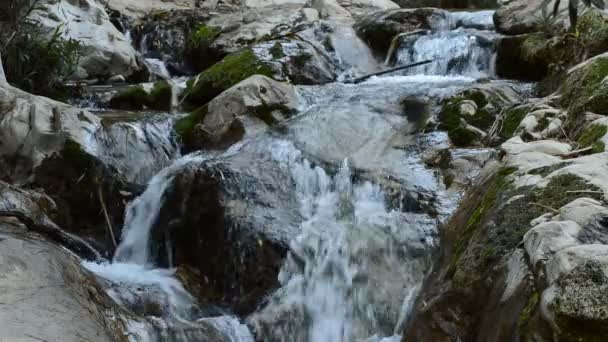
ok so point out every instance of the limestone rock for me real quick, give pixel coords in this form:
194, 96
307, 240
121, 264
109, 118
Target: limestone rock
106, 53
516, 146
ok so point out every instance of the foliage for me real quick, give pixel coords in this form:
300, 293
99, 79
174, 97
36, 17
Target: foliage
35, 60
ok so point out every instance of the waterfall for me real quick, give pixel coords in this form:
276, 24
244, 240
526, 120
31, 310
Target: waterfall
349, 243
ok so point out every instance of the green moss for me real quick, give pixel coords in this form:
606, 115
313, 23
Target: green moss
203, 36
160, 96
532, 46
598, 147
132, 98
301, 60
543, 123
482, 119
529, 309
476, 96
461, 136
581, 84
223, 75
512, 120
75, 155
488, 201
592, 136
185, 126
277, 51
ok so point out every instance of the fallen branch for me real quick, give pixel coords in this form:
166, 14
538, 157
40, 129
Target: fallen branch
585, 192
544, 207
403, 67
576, 152
105, 213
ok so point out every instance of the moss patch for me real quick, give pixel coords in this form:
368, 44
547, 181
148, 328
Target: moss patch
160, 96
580, 85
277, 51
451, 118
591, 137
132, 98
223, 75
512, 120
184, 127
529, 309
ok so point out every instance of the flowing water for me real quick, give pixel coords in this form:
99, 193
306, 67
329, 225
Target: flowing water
353, 271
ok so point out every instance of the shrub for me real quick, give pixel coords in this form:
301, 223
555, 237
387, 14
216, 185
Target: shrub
34, 60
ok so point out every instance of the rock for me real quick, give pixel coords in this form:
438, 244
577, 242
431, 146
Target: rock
330, 9
253, 104
231, 219
225, 74
546, 239
577, 303
179, 37
55, 146
298, 62
469, 115
526, 161
516, 145
583, 85
117, 79
519, 16
132, 98
361, 8
106, 51
379, 29
138, 9
517, 57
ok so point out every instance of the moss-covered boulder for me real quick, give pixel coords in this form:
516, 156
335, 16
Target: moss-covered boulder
221, 76
520, 57
132, 98
160, 96
594, 137
252, 104
582, 88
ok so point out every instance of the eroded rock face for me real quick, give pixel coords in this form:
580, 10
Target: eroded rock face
106, 51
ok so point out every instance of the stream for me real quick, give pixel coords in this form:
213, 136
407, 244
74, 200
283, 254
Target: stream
354, 269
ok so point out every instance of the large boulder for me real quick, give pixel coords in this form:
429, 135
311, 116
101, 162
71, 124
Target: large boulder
106, 51
231, 219
522, 16
249, 106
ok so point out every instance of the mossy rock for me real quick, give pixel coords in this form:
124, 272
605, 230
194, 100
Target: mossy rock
451, 117
581, 84
132, 98
276, 51
592, 138
496, 228
184, 127
160, 96
223, 75
512, 119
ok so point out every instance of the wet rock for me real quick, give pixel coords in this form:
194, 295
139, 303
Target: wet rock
469, 116
248, 107
156, 96
519, 16
379, 29
299, 62
106, 51
231, 219
69, 153
515, 59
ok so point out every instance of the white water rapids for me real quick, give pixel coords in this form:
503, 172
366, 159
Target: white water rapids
355, 268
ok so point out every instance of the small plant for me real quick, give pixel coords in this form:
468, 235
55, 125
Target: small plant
546, 19
34, 59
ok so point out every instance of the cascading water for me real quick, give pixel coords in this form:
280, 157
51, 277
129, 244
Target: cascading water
353, 272
460, 49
